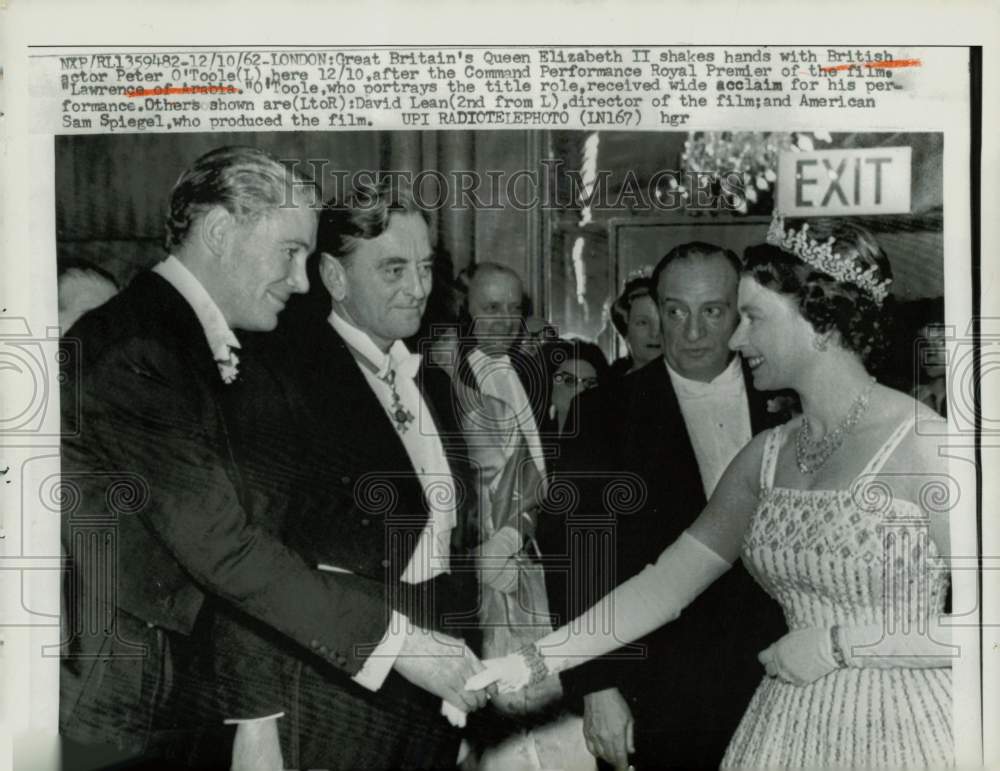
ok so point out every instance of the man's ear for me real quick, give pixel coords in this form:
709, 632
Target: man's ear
216, 230
333, 275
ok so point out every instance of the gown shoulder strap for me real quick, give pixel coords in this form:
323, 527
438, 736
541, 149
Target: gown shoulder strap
773, 441
888, 447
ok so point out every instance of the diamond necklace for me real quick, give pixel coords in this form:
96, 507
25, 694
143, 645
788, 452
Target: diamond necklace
811, 455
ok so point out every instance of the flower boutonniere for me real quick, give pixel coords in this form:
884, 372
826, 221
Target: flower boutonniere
229, 367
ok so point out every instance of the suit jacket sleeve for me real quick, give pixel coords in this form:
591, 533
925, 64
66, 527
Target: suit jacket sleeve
576, 513
143, 412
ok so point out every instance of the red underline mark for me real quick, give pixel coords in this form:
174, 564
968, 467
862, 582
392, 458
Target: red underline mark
889, 64
182, 90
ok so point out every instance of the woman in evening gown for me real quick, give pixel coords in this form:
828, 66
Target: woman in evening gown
831, 513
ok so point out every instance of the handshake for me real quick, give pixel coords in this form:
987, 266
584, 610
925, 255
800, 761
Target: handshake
445, 666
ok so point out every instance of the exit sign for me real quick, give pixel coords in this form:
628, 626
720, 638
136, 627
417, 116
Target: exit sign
837, 182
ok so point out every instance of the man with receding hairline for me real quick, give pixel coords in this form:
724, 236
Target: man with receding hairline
491, 360
671, 428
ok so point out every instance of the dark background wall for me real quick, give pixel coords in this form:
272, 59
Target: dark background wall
112, 192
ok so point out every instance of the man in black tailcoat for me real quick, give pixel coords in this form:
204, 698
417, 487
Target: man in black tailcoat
351, 455
156, 529
647, 453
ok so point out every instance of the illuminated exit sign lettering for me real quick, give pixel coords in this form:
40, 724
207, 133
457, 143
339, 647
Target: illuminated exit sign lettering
838, 182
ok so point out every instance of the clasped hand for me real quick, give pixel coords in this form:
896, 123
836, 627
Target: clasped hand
442, 665
800, 657
507, 674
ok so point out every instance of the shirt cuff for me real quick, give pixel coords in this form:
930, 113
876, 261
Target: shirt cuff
376, 667
243, 720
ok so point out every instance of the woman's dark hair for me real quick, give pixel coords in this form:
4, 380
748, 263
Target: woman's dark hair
634, 289
829, 304
560, 351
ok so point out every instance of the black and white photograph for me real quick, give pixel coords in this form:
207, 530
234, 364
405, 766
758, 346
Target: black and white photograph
684, 317
550, 424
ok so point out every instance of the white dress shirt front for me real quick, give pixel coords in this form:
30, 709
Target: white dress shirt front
717, 417
425, 451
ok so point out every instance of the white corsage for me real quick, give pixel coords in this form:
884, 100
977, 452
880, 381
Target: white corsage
229, 367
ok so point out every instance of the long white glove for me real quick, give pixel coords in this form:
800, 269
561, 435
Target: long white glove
801, 656
646, 601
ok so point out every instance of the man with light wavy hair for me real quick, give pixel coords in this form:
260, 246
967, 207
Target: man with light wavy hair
148, 569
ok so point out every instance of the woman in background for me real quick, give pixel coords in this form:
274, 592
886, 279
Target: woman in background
637, 319
575, 366
827, 513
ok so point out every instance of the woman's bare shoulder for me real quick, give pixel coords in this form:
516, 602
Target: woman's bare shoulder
919, 455
749, 461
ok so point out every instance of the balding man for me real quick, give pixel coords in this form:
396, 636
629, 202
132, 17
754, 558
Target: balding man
491, 359
666, 432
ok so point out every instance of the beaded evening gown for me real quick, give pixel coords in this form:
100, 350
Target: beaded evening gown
843, 557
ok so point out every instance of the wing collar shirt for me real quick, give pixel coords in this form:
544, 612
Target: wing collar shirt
496, 376
426, 454
717, 417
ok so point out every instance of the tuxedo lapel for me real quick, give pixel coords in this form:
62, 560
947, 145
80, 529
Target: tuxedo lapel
660, 383
349, 399
176, 323
759, 416
160, 300
433, 399
663, 416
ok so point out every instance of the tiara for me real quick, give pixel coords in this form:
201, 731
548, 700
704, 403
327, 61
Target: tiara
822, 257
